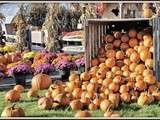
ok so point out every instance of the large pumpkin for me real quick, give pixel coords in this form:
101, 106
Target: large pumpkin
41, 81
13, 112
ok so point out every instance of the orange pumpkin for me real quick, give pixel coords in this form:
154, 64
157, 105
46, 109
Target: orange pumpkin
41, 81
147, 13
104, 105
110, 62
77, 92
101, 73
74, 77
125, 68
147, 72
124, 46
150, 79
94, 62
123, 89
117, 79
148, 40
127, 61
140, 68
141, 48
132, 67
129, 52
120, 55
132, 33
85, 76
84, 113
109, 38
76, 105
45, 103
125, 38
125, 97
109, 46
31, 93
92, 87
133, 42
134, 57
19, 88
141, 85
12, 96
92, 106
140, 35
106, 82
149, 63
117, 34
117, 43
110, 53
144, 55
114, 87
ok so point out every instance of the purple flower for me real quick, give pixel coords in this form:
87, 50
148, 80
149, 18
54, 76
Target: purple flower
64, 65
20, 69
80, 62
44, 68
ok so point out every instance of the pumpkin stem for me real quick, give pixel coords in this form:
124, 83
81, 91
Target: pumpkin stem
13, 106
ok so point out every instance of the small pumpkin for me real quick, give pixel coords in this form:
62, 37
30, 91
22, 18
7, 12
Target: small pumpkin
92, 106
140, 85
125, 97
140, 68
74, 77
85, 76
144, 55
19, 88
110, 62
110, 53
148, 40
133, 66
117, 43
12, 96
149, 63
140, 35
123, 89
45, 103
142, 99
117, 35
125, 38
76, 105
133, 42
114, 87
120, 55
150, 79
12, 111
109, 46
32, 93
109, 38
105, 104
129, 52
135, 57
124, 46
41, 81
94, 62
127, 61
84, 113
132, 33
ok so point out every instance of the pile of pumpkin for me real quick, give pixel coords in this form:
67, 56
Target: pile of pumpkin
122, 72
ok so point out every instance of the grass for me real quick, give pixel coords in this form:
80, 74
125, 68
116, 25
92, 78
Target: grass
126, 110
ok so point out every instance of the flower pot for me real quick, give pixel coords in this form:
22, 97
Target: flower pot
65, 74
20, 79
81, 69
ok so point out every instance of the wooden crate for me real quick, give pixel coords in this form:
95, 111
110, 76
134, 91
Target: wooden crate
95, 29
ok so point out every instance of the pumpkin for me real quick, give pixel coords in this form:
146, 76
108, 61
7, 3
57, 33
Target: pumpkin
132, 33
133, 42
94, 80
140, 35
129, 52
19, 88
117, 43
120, 55
85, 76
110, 62
132, 67
125, 68
94, 62
32, 93
117, 79
76, 105
147, 13
147, 72
115, 99
119, 63
3, 59
126, 73
92, 106
130, 84
77, 92
97, 102
156, 95
12, 111
123, 89
57, 91
135, 57
45, 103
111, 114
140, 85
150, 79
142, 100
125, 97
109, 46
101, 50
139, 77
148, 40
91, 87
85, 101
133, 75
117, 34
74, 77
141, 48
144, 55
101, 73
62, 99
110, 54
12, 96
91, 94
125, 38
106, 82
41, 81
84, 113
114, 87
124, 46
152, 89
140, 68
127, 61
105, 104
149, 63
109, 38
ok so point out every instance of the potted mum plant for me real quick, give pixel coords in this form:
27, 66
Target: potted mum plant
64, 68
19, 73
45, 68
80, 63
